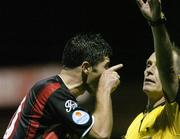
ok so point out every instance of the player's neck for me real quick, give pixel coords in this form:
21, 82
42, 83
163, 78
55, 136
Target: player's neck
72, 79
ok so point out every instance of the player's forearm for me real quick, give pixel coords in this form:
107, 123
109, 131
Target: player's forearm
164, 59
103, 116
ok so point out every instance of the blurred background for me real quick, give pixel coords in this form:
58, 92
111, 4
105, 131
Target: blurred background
33, 35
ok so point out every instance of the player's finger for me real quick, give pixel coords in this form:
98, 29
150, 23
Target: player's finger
116, 67
140, 3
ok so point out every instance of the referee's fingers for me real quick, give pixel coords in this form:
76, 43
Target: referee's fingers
116, 67
140, 3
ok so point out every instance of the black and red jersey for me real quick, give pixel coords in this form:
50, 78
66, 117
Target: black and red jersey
49, 111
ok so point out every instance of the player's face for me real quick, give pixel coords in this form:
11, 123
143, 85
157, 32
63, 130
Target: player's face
152, 85
97, 70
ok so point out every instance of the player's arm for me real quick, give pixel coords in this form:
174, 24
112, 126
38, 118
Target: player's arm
151, 10
103, 117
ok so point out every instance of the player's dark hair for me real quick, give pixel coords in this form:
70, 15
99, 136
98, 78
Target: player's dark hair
89, 47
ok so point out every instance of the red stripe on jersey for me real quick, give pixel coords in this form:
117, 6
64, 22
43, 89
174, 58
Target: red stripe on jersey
51, 135
38, 107
12, 127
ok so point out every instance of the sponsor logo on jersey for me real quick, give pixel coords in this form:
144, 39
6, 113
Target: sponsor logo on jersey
70, 105
80, 117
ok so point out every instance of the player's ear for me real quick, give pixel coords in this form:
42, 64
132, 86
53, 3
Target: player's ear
85, 67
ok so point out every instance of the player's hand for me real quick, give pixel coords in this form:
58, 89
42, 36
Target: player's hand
110, 79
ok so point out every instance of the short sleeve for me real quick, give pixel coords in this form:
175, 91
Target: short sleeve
66, 110
173, 114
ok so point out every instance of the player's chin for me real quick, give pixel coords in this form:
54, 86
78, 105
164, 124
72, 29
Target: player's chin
91, 92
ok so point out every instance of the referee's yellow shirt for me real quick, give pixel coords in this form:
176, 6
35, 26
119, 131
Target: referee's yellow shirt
163, 122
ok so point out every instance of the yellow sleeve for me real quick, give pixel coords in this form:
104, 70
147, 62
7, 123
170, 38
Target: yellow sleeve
173, 114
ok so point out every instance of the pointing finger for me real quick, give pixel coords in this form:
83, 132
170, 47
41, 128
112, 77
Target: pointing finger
116, 67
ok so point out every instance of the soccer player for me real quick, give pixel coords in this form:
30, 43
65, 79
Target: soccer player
50, 109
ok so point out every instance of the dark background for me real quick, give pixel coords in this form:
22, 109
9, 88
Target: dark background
35, 33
